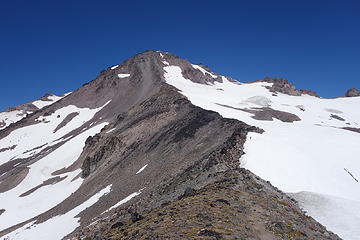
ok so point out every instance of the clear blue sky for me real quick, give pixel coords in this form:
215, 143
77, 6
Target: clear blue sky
56, 46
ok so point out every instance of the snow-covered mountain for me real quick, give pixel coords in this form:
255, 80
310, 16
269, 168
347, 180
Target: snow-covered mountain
157, 129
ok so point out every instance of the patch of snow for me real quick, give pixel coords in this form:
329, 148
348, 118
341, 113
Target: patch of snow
128, 198
57, 227
113, 129
123, 75
66, 94
41, 103
164, 62
114, 67
141, 169
203, 70
6, 118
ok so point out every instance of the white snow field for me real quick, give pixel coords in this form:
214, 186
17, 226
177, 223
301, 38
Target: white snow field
313, 155
41, 103
30, 140
59, 226
6, 118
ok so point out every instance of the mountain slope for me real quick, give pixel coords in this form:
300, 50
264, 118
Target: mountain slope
128, 142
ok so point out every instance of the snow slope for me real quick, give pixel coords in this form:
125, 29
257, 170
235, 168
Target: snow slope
41, 180
314, 154
50, 100
32, 205
6, 118
12, 116
60, 225
339, 213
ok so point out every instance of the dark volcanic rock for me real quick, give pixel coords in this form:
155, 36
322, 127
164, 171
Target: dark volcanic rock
210, 233
66, 120
135, 216
337, 117
189, 192
267, 114
357, 130
353, 92
282, 85
308, 92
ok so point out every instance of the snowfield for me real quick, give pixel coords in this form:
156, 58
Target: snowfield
40, 180
12, 116
32, 139
60, 225
6, 118
339, 213
51, 99
314, 154
33, 204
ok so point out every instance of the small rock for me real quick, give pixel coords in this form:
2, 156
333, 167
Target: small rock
210, 233
189, 192
117, 225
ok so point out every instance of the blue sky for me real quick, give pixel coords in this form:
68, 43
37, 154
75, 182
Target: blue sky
56, 46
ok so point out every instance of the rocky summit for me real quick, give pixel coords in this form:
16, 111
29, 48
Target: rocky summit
160, 148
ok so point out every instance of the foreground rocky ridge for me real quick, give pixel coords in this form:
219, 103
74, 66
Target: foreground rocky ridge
235, 205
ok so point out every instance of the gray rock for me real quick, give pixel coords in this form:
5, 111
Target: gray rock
353, 92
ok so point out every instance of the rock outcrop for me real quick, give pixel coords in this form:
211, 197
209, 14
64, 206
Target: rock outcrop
309, 92
281, 85
353, 92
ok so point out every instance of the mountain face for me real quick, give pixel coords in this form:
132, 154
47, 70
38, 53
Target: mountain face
159, 148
